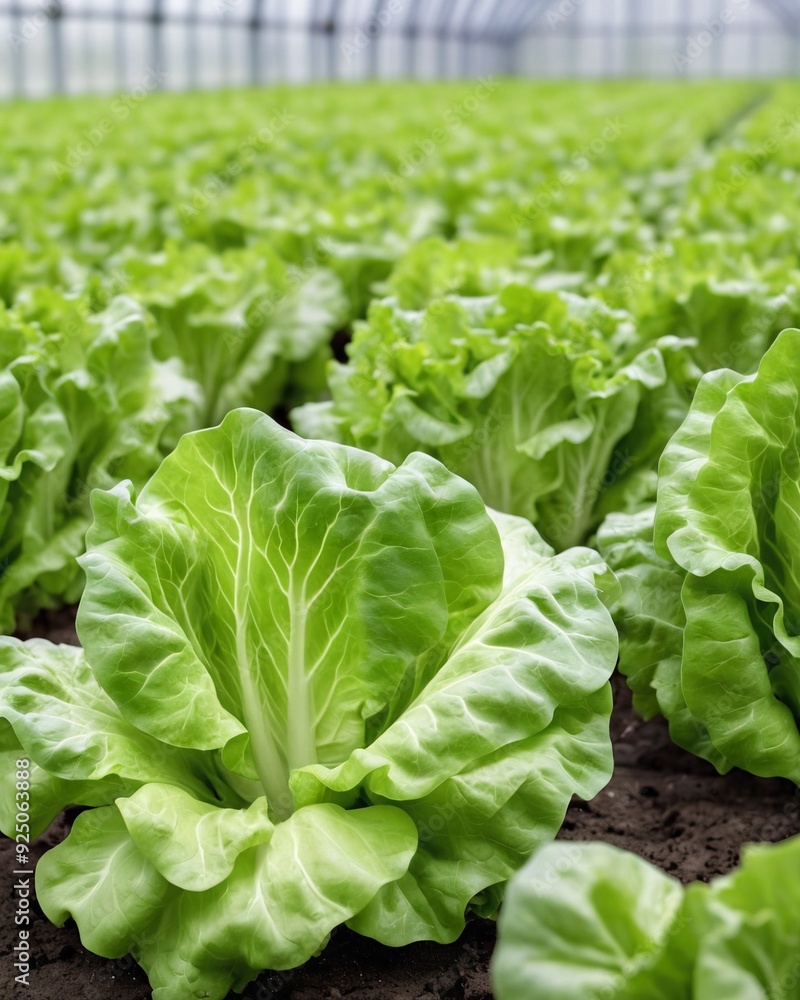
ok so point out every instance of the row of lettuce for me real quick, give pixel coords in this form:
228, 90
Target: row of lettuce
246, 236
599, 192
356, 675
556, 405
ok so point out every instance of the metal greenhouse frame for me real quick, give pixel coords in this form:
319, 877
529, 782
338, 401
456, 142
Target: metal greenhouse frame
68, 46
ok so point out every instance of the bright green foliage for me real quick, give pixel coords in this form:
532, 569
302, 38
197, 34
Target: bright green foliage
247, 327
83, 404
593, 921
250, 227
731, 306
322, 686
710, 612
91, 398
547, 402
315, 689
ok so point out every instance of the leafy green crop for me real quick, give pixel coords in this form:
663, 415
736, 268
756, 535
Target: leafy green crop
83, 404
707, 290
88, 398
321, 685
315, 689
256, 226
592, 921
546, 402
710, 613
247, 326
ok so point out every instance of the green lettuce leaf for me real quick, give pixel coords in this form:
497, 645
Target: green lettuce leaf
594, 921
83, 403
275, 908
249, 329
710, 620
548, 403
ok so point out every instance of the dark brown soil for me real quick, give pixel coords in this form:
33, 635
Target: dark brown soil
662, 803
57, 626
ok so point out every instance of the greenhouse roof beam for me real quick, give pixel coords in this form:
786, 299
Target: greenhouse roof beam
465, 23
445, 14
192, 43
323, 17
526, 18
464, 32
256, 20
441, 28
156, 18
786, 14
253, 48
497, 23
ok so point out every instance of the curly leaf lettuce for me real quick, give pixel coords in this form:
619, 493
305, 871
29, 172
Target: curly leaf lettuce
249, 328
546, 402
710, 613
705, 288
315, 689
83, 403
594, 921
